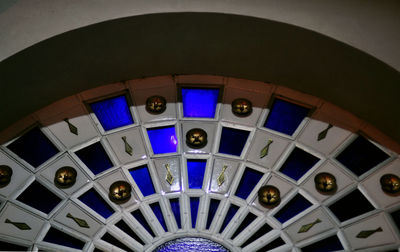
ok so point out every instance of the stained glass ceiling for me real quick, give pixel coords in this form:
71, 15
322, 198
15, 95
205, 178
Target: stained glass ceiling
202, 183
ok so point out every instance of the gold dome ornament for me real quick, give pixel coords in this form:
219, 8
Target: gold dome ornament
325, 183
156, 104
5, 175
196, 138
269, 196
242, 107
390, 184
120, 192
65, 177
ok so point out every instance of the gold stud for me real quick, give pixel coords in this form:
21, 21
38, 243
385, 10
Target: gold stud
156, 104
390, 184
5, 175
120, 192
196, 138
65, 177
325, 183
269, 196
242, 107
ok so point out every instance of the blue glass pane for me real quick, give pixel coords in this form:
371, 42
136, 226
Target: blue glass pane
176, 210
12, 247
361, 156
260, 232
63, 239
396, 218
285, 117
158, 213
199, 102
140, 218
93, 200
247, 221
112, 113
295, 206
229, 215
124, 227
163, 139
247, 183
351, 205
33, 147
298, 163
191, 244
114, 241
95, 158
328, 244
143, 180
272, 245
196, 169
233, 141
38, 197
211, 211
194, 208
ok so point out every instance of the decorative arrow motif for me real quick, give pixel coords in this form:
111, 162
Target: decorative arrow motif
308, 226
169, 178
128, 148
264, 150
367, 233
221, 177
72, 128
323, 133
82, 223
19, 225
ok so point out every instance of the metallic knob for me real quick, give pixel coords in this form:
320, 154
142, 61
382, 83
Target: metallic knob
242, 107
156, 104
5, 175
196, 138
269, 196
390, 184
120, 192
65, 177
325, 183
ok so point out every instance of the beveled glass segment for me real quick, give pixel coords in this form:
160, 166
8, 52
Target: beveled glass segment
285, 117
249, 180
33, 147
196, 169
295, 206
112, 113
199, 102
233, 141
92, 199
158, 213
58, 237
163, 139
143, 179
361, 156
95, 158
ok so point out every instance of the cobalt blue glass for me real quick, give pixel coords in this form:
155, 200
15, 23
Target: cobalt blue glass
285, 116
163, 139
176, 211
247, 183
92, 199
232, 141
128, 230
33, 147
295, 206
143, 180
196, 169
246, 221
95, 158
137, 214
199, 102
211, 211
194, 208
260, 232
112, 113
57, 237
158, 213
228, 217
298, 163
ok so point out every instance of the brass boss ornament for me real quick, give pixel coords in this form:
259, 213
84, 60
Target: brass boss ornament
390, 184
325, 183
5, 175
156, 104
269, 196
65, 177
196, 138
120, 192
242, 107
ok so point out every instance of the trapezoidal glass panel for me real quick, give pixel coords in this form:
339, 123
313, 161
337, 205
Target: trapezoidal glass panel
295, 206
137, 214
176, 210
112, 113
95, 158
143, 180
199, 102
128, 230
249, 180
298, 163
163, 139
196, 169
92, 199
158, 213
57, 237
211, 211
228, 217
260, 232
114, 241
233, 141
194, 208
246, 221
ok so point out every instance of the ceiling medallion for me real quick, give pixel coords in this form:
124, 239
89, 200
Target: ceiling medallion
390, 184
242, 107
156, 104
5, 175
120, 192
325, 183
65, 177
269, 196
196, 138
